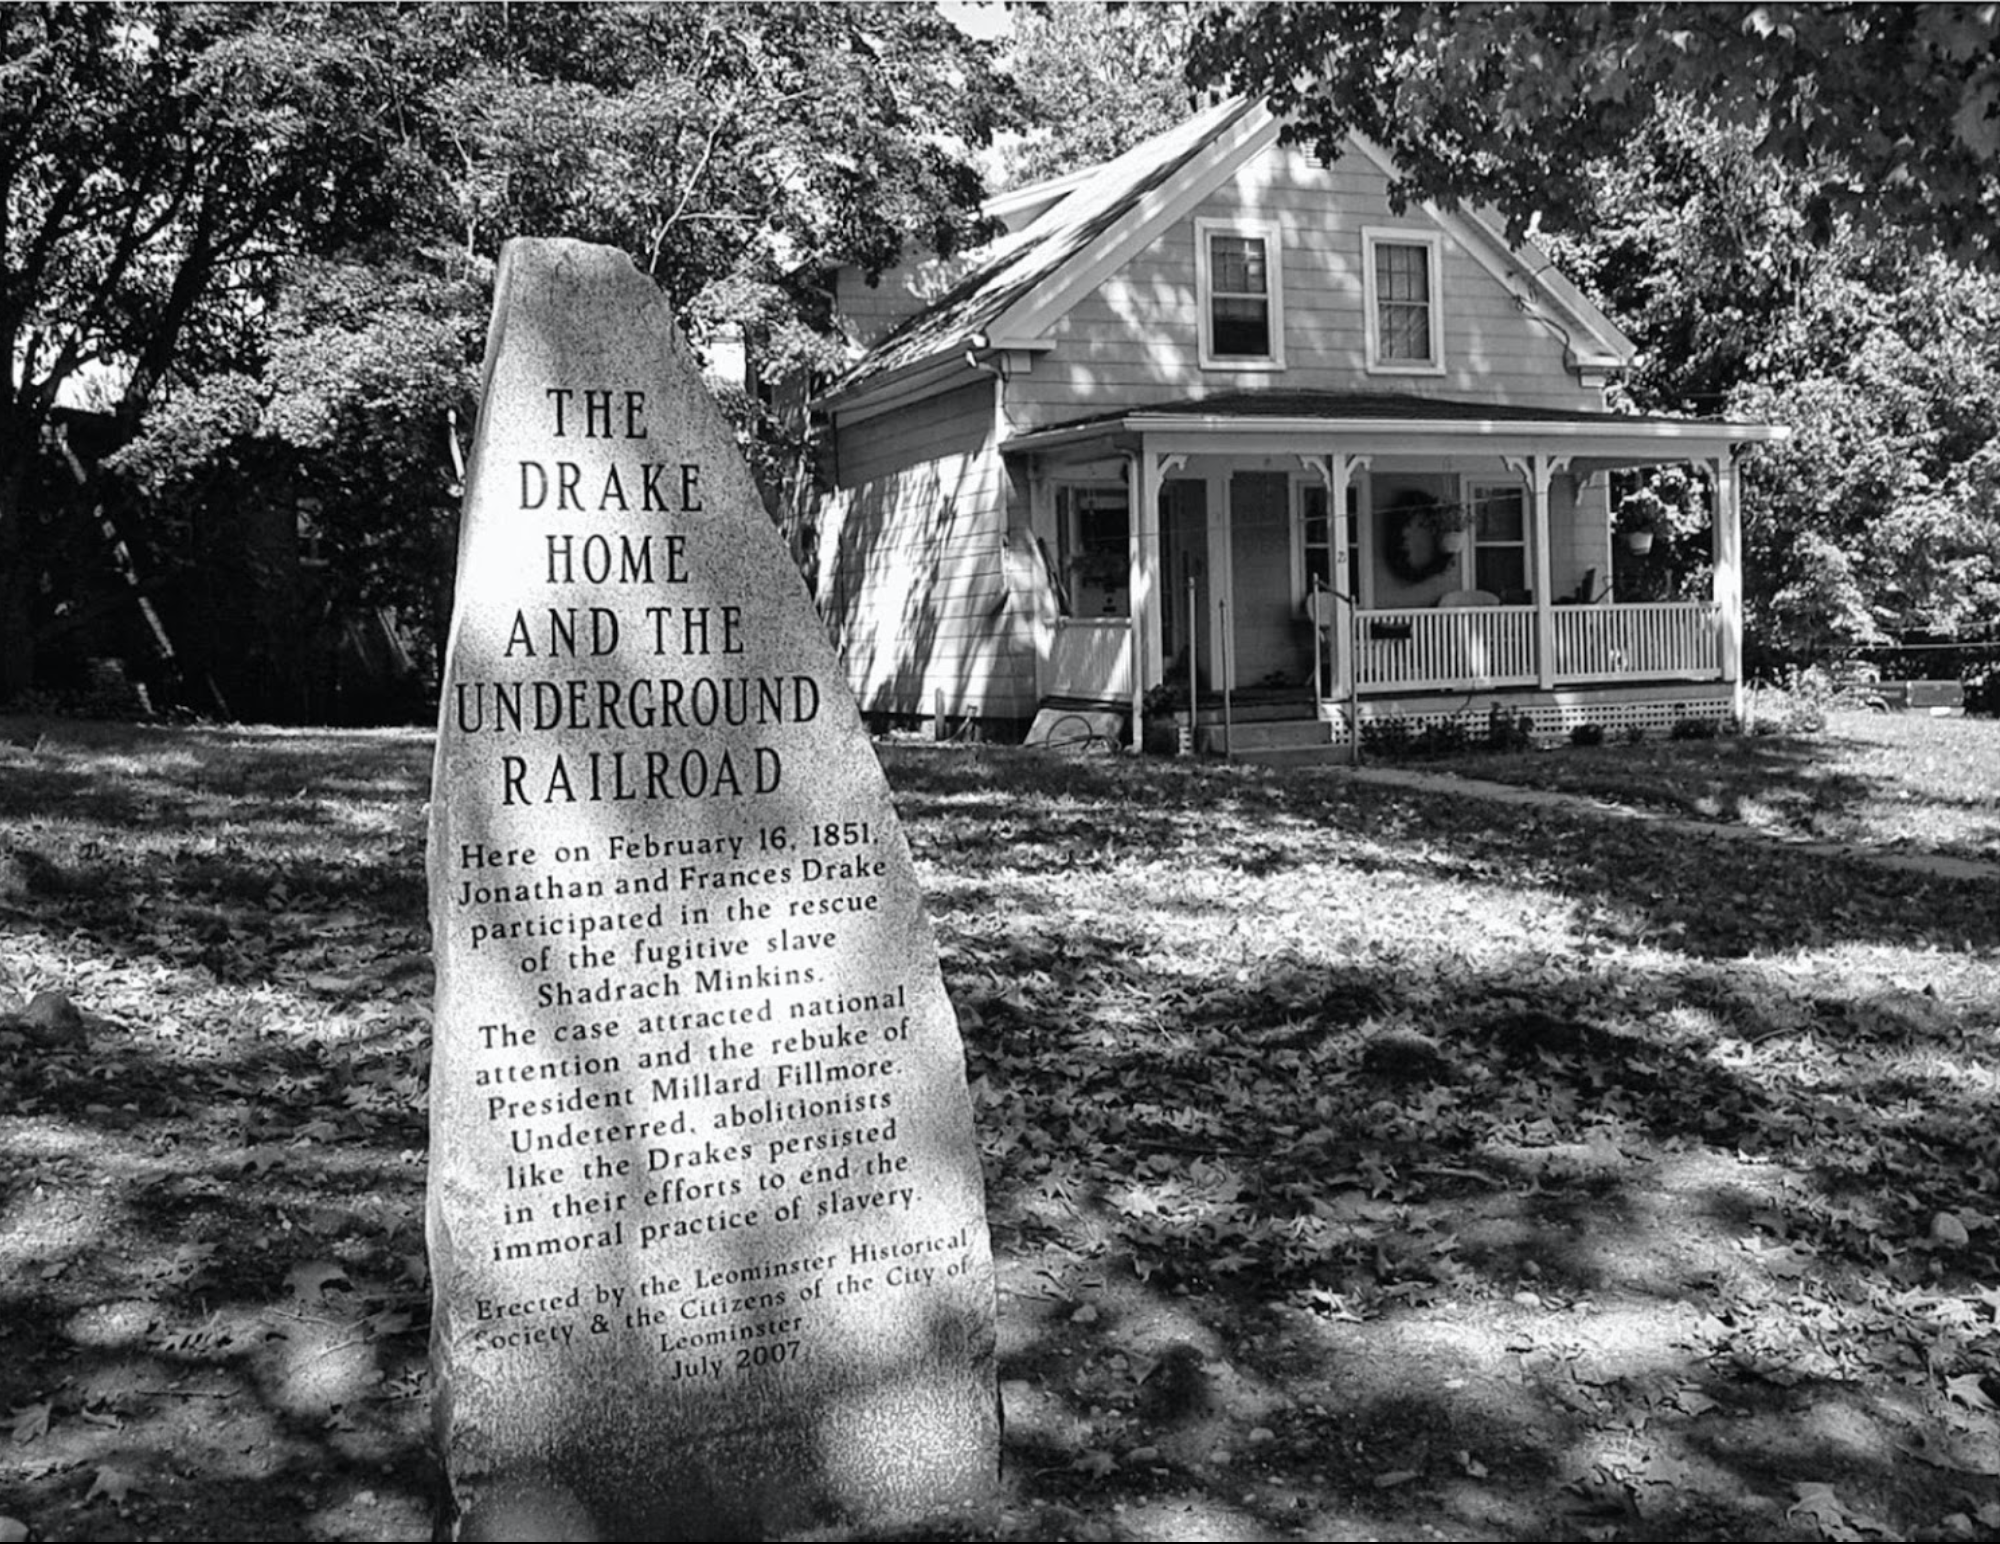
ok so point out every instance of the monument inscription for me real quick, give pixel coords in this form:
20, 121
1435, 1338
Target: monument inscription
707, 1232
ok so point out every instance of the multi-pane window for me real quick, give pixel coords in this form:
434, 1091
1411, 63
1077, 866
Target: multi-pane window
1500, 540
1403, 300
1242, 318
1403, 306
1319, 537
1093, 530
1239, 298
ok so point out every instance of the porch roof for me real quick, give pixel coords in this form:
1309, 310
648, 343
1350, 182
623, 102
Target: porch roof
1393, 421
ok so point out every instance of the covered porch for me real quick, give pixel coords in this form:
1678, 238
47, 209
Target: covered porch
1374, 558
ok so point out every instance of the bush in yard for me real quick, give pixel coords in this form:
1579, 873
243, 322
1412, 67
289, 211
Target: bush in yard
1795, 704
1444, 738
1694, 729
1509, 731
1388, 737
1587, 734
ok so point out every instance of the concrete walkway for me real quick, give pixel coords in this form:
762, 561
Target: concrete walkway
1936, 866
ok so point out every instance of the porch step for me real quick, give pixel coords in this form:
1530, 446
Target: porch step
1259, 739
1210, 714
1297, 756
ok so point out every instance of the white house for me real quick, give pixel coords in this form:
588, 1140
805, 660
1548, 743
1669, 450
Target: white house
1206, 413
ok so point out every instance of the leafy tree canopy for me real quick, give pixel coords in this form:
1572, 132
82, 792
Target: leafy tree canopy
736, 151
270, 228
1890, 113
1878, 517
156, 161
1096, 80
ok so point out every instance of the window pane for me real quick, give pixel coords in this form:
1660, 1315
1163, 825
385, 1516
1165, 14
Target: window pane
1241, 329
1403, 300
1092, 533
1500, 515
1314, 514
1236, 265
1502, 570
1402, 272
1406, 332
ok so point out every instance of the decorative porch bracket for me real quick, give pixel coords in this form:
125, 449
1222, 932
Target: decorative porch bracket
1538, 470
1336, 469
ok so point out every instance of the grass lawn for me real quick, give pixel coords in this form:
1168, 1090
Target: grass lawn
1362, 1162
1882, 779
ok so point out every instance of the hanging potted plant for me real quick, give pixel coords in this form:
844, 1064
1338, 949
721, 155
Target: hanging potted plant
1449, 524
1642, 515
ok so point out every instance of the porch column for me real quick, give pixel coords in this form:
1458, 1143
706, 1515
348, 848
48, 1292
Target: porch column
1336, 469
1536, 471
1143, 562
1728, 561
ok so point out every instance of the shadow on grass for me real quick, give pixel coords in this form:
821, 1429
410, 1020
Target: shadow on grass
209, 844
1920, 783
1256, 1175
1024, 814
1299, 1087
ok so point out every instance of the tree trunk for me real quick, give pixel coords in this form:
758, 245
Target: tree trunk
17, 586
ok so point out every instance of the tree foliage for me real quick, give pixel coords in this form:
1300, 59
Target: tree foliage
1889, 114
158, 163
1742, 190
1873, 520
735, 151
1096, 80
1881, 516
270, 229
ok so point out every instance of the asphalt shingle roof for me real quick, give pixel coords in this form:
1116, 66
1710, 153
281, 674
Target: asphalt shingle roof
1015, 265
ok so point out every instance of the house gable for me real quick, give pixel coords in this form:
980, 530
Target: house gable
1135, 335
1100, 253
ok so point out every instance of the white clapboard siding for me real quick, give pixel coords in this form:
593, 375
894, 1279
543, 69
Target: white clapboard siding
1091, 657
1133, 340
912, 584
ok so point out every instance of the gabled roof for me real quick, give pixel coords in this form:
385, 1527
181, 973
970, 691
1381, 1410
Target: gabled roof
1018, 265
1096, 219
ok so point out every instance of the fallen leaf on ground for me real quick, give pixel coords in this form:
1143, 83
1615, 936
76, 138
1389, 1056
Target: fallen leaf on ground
310, 1280
32, 1422
112, 1484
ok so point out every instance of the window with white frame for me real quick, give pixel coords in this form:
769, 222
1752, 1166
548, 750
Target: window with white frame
1093, 531
1401, 273
1242, 303
1500, 540
1318, 535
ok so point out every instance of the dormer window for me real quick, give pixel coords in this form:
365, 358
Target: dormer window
1405, 309
1242, 302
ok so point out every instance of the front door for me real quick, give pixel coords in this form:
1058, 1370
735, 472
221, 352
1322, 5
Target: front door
1184, 581
1268, 644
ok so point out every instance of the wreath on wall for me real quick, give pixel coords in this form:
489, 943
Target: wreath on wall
1410, 546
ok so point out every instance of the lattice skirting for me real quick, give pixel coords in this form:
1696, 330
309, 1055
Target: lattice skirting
1551, 720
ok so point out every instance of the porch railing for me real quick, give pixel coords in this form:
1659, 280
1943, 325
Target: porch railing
1478, 647
1432, 648
1617, 643
1091, 658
